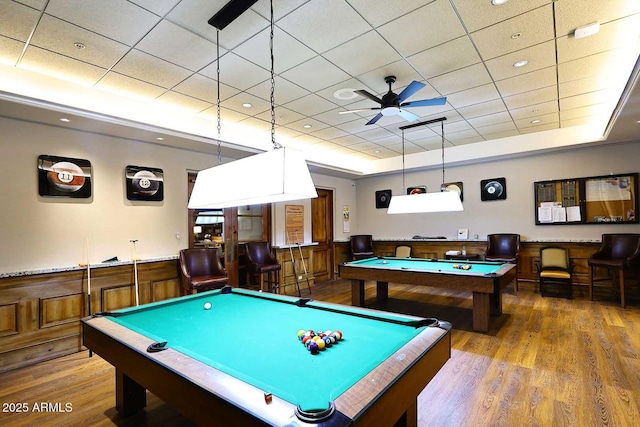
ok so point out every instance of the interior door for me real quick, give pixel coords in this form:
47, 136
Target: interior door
322, 233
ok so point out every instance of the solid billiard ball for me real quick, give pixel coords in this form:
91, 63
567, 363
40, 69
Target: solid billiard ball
321, 344
301, 333
313, 347
207, 305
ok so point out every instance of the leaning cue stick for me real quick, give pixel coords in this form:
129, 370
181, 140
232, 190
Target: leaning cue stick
88, 265
306, 274
135, 270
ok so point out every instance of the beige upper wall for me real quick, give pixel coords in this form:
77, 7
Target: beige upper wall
515, 214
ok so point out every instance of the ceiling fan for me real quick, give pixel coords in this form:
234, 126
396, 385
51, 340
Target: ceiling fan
394, 105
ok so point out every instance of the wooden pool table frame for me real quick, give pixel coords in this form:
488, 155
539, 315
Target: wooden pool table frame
486, 289
211, 397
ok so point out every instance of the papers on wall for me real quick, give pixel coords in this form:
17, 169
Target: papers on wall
551, 212
463, 233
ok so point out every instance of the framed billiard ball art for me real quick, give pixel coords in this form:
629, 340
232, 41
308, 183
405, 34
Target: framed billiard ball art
64, 177
144, 183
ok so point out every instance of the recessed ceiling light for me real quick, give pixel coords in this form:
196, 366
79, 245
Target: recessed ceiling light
536, 121
160, 138
307, 126
79, 45
247, 105
516, 35
521, 63
345, 93
377, 151
64, 119
498, 2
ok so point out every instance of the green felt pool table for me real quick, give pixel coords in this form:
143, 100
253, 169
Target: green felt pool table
240, 362
486, 280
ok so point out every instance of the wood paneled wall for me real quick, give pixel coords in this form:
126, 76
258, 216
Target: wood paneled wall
579, 252
287, 271
40, 314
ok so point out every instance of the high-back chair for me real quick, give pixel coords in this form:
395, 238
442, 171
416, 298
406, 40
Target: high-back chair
555, 267
263, 266
361, 246
201, 270
403, 251
504, 248
618, 253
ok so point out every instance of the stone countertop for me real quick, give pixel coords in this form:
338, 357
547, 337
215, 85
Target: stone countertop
484, 240
79, 267
295, 245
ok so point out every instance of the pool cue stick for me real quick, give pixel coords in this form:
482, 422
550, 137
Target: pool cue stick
293, 264
306, 274
135, 270
88, 265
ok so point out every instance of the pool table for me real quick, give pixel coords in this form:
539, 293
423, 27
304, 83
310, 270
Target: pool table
486, 280
241, 363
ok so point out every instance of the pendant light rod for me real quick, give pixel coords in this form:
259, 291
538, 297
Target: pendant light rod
428, 122
230, 12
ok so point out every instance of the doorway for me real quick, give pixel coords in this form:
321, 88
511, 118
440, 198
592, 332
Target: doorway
322, 234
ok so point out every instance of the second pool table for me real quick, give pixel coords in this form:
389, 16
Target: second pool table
486, 280
240, 362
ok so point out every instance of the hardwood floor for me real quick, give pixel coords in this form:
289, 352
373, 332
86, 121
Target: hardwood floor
545, 362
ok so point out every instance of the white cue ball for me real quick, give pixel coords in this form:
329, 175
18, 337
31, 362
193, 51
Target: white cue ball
207, 305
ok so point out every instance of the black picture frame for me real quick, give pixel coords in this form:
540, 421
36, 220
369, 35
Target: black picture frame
64, 177
493, 189
144, 183
421, 189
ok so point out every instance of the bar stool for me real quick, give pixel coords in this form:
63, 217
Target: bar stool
262, 264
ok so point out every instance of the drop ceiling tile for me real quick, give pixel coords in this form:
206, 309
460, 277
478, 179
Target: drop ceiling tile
429, 26
284, 116
374, 79
462, 140
60, 37
10, 50
571, 14
178, 46
236, 72
391, 10
59, 66
333, 118
315, 74
612, 35
328, 133
226, 115
478, 14
498, 135
287, 51
528, 82
36, 4
438, 60
159, 7
283, 132
374, 133
486, 108
595, 110
465, 78
285, 91
18, 20
119, 20
586, 99
541, 128
338, 24
577, 87
577, 122
534, 110
258, 105
180, 102
533, 27
150, 69
310, 105
349, 140
281, 9
598, 65
539, 56
201, 87
545, 120
476, 95
533, 97
490, 120
364, 53
257, 125
364, 146
325, 145
345, 91
129, 87
497, 128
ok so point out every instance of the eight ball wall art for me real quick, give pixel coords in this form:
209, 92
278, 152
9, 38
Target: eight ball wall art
144, 183
64, 177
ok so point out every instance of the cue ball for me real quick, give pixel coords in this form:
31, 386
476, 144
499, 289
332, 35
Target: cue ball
207, 305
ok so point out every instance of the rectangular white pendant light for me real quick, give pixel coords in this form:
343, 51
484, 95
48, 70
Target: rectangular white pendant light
279, 175
445, 201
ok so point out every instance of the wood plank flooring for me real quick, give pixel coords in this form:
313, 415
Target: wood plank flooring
545, 362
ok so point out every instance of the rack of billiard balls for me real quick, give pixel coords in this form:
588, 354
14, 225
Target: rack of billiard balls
462, 266
318, 341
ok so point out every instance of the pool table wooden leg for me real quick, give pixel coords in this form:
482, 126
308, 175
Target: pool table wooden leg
481, 311
130, 396
357, 292
382, 291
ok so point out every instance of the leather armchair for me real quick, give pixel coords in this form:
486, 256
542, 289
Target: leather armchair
201, 270
361, 246
617, 252
261, 261
503, 248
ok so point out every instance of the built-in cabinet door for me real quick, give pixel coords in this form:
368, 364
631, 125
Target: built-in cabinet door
322, 233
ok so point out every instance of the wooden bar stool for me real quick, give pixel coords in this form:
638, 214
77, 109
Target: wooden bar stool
261, 265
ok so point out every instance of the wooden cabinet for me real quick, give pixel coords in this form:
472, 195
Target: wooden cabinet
289, 268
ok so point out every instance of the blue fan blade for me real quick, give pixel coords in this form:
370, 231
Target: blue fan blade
426, 102
375, 119
410, 117
410, 90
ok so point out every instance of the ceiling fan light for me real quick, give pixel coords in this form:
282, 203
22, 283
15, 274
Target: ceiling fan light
390, 111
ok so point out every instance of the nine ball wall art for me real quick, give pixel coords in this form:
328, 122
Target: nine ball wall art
64, 177
144, 183
493, 189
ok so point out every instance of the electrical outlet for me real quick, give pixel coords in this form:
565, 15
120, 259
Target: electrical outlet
178, 235
299, 277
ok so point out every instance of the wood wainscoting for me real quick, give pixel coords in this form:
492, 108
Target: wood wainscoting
579, 252
40, 313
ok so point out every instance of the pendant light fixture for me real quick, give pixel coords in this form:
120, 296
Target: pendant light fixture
444, 201
278, 175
